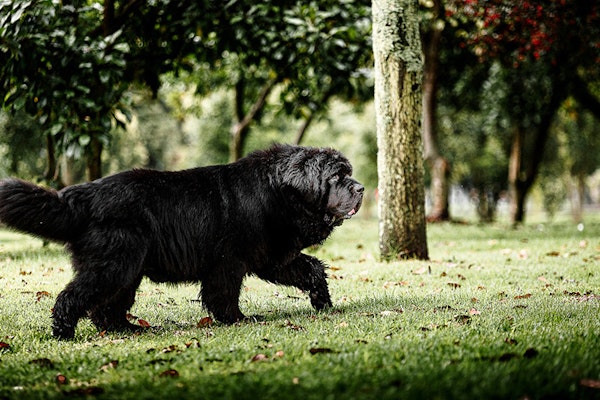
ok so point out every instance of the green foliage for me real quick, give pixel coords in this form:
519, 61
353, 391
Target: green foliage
21, 151
454, 327
55, 69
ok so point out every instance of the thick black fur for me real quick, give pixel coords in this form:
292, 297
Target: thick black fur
214, 225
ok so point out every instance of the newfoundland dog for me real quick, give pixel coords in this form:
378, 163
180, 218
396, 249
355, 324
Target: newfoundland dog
213, 225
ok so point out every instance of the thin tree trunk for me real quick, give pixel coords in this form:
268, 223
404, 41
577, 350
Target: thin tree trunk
304, 127
578, 197
94, 159
398, 105
439, 167
51, 165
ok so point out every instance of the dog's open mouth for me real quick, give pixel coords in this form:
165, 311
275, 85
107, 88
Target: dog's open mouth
350, 213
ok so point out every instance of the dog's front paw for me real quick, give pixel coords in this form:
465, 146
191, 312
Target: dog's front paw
320, 300
63, 332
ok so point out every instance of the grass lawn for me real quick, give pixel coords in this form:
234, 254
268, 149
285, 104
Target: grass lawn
495, 313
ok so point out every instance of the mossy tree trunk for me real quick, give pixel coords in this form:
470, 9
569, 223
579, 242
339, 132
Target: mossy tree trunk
398, 104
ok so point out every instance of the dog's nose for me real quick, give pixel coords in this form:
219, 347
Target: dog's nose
358, 188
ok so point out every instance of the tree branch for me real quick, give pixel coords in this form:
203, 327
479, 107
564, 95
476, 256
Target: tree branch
257, 106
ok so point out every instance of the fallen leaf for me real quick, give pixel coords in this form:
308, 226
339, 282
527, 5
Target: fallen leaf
454, 285
259, 357
295, 380
421, 271
523, 254
61, 379
390, 284
510, 341
590, 383
443, 308
463, 319
205, 322
530, 353
41, 295
292, 326
169, 373
320, 350
474, 311
507, 357
4, 345
194, 343
111, 365
143, 323
170, 349
553, 254
42, 362
279, 354
523, 296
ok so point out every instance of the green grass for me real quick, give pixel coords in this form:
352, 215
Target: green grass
495, 313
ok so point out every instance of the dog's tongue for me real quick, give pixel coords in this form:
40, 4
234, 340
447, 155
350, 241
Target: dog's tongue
351, 213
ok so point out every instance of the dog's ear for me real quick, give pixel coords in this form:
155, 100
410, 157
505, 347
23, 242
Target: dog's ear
306, 171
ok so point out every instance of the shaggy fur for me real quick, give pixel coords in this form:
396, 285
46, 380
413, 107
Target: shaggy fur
214, 225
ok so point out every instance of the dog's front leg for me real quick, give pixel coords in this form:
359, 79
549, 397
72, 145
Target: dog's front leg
305, 272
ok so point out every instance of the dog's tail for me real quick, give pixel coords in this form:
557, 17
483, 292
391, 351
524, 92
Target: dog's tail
38, 211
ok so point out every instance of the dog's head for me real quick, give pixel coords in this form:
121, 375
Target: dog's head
320, 178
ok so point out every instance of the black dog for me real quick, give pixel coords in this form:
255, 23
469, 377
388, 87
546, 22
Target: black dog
214, 225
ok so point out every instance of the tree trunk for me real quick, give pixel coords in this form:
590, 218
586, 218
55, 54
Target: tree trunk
578, 197
94, 159
50, 173
439, 167
398, 106
440, 189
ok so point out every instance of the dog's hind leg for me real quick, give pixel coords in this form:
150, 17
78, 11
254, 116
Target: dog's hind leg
305, 272
112, 315
107, 273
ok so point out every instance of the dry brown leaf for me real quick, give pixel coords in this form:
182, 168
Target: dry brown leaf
390, 284
111, 365
590, 383
143, 323
41, 295
205, 322
43, 362
259, 357
171, 373
523, 296
320, 350
61, 379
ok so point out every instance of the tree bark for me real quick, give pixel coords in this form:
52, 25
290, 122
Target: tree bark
439, 167
94, 159
398, 105
525, 159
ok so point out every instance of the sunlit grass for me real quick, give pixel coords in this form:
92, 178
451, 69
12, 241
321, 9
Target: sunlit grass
495, 313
